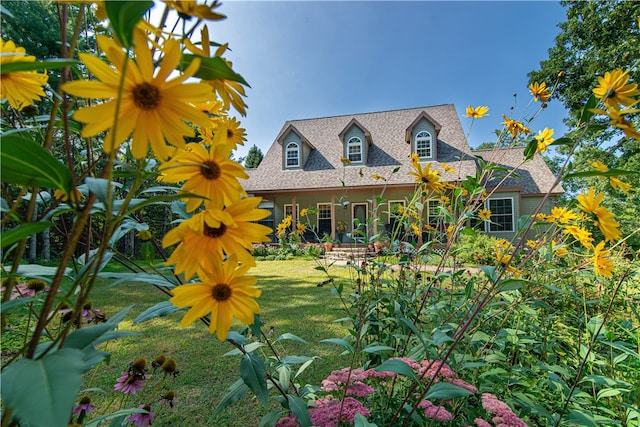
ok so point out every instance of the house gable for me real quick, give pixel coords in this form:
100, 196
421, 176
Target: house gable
422, 135
295, 148
356, 140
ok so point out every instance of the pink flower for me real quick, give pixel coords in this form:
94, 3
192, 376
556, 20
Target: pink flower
437, 413
481, 423
465, 385
130, 382
351, 378
330, 412
288, 421
142, 419
504, 416
84, 405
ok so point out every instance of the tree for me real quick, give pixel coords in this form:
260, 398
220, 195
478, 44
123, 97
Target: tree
254, 157
598, 36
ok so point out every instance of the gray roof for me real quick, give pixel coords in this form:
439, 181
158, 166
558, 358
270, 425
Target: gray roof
534, 176
389, 149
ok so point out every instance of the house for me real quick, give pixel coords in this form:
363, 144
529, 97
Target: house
306, 167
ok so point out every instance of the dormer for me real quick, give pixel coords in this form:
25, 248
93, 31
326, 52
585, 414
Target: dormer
295, 148
356, 140
422, 135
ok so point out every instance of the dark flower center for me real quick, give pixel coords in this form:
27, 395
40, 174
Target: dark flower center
146, 96
229, 133
221, 292
214, 232
210, 170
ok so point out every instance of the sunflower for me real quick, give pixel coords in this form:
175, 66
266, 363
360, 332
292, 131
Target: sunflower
589, 201
514, 126
544, 139
188, 9
618, 120
484, 214
229, 126
225, 292
427, 177
216, 233
540, 91
20, 88
580, 234
208, 172
478, 112
617, 184
230, 92
613, 89
563, 215
602, 264
150, 107
606, 222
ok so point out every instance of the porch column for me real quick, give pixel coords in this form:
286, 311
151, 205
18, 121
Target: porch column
294, 213
333, 217
374, 208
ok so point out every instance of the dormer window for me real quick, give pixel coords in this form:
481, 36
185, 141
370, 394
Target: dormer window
354, 150
422, 145
293, 155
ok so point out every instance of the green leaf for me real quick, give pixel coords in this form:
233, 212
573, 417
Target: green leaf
18, 302
610, 172
124, 15
531, 149
161, 309
272, 418
582, 418
49, 64
397, 366
563, 141
254, 375
511, 284
288, 336
97, 422
23, 231
213, 68
256, 325
299, 409
372, 349
153, 279
27, 163
52, 381
489, 271
446, 391
340, 342
236, 392
360, 421
586, 114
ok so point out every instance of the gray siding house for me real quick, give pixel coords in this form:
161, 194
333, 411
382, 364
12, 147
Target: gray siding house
305, 167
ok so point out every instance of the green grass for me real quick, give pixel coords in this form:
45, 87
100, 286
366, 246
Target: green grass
291, 302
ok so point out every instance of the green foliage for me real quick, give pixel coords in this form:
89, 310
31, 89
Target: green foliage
254, 157
475, 249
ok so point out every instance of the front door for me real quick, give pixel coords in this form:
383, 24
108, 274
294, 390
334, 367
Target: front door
359, 212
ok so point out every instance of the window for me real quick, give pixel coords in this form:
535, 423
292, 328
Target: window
324, 218
288, 211
501, 214
433, 213
293, 155
423, 144
354, 150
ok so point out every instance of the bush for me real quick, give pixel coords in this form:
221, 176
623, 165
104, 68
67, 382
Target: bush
476, 249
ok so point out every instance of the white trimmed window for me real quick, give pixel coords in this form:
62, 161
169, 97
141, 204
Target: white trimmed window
422, 145
292, 154
502, 215
288, 210
354, 149
324, 218
433, 213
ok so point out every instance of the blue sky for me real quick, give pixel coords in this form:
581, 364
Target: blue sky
316, 59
